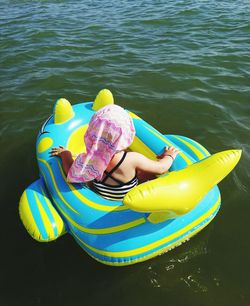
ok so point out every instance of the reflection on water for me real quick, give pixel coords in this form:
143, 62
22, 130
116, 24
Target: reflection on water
171, 273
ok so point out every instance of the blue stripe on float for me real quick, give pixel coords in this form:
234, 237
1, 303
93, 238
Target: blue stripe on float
36, 215
183, 147
201, 210
157, 142
137, 258
199, 147
53, 185
149, 139
48, 212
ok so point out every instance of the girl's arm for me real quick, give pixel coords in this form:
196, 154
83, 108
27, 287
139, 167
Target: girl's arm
160, 166
66, 157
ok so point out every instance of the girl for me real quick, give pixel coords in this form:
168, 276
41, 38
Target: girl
112, 170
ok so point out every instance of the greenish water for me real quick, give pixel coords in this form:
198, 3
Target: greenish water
184, 66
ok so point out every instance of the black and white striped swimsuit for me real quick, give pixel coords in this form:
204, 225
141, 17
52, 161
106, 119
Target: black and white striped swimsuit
116, 192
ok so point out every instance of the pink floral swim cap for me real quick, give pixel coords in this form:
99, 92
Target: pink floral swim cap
110, 130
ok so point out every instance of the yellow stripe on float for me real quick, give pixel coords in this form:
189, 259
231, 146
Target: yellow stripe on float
203, 148
75, 141
155, 244
134, 116
56, 187
140, 147
44, 144
187, 160
106, 230
87, 201
58, 220
197, 152
98, 231
27, 217
47, 225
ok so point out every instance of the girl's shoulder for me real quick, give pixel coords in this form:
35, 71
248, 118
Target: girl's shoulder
132, 154
135, 156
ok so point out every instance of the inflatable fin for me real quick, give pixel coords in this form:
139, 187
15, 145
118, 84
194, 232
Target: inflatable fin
177, 192
63, 111
103, 98
38, 215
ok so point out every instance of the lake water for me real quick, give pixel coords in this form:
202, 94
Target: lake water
184, 66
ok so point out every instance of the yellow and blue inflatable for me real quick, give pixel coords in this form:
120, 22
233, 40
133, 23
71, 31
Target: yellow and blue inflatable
153, 218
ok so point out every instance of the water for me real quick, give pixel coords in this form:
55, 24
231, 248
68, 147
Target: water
184, 66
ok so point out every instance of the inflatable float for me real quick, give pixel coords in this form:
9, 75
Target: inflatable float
153, 218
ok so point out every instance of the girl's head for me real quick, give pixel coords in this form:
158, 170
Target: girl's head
110, 130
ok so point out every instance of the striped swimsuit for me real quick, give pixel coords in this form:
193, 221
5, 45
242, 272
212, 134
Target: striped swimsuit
116, 192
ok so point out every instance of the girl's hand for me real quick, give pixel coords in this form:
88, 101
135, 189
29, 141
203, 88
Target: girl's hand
169, 151
57, 151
